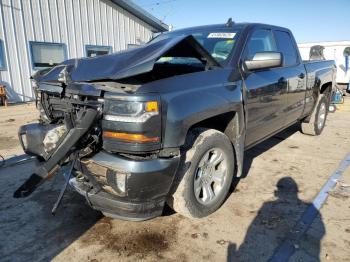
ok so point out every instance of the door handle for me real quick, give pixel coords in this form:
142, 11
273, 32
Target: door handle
230, 85
301, 75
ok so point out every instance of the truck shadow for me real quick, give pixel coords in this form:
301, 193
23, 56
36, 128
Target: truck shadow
265, 146
28, 229
259, 149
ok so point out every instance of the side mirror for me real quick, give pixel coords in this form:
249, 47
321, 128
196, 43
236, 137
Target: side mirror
263, 60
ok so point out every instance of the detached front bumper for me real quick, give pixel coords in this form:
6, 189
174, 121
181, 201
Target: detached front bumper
127, 188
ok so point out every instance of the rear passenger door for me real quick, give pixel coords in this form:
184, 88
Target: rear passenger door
294, 73
266, 90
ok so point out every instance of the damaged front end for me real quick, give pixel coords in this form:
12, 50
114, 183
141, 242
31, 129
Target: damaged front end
112, 143
55, 141
93, 118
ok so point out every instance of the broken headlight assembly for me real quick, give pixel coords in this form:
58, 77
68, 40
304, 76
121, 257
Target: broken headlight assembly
131, 124
41, 140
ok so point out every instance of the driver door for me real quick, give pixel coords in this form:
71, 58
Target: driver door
266, 91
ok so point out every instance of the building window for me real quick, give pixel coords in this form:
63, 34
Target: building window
45, 54
97, 50
2, 56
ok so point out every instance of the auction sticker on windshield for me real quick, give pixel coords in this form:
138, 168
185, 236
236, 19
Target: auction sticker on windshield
222, 35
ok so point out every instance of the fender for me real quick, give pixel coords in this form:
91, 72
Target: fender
189, 108
186, 109
317, 78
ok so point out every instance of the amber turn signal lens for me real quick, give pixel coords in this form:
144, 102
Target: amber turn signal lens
137, 138
151, 106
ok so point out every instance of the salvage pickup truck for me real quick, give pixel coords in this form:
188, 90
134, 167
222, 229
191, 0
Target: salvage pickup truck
169, 121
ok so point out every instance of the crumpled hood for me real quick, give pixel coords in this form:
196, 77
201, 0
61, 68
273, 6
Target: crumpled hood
127, 63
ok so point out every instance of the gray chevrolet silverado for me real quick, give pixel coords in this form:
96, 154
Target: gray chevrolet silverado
169, 121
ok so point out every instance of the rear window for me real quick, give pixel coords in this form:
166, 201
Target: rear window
286, 47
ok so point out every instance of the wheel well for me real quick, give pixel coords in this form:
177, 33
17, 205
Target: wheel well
227, 123
222, 123
326, 87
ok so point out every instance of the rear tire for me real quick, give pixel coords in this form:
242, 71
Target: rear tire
318, 119
205, 173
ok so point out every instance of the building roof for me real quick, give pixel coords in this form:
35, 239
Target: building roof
142, 14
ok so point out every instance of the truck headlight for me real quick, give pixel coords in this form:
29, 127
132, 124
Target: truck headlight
131, 123
130, 111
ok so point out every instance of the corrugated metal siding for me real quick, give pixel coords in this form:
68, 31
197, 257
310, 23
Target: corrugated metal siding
74, 22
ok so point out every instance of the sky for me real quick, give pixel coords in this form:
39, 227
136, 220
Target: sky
309, 20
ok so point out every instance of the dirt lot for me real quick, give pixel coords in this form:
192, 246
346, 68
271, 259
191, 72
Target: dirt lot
11, 118
283, 175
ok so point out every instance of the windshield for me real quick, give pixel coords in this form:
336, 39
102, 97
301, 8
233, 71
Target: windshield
219, 43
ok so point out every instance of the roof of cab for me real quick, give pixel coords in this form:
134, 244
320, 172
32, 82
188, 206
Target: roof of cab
223, 26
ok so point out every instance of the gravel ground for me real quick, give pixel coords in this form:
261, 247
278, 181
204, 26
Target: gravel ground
11, 118
282, 176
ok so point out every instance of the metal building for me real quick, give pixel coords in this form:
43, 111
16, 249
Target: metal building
36, 34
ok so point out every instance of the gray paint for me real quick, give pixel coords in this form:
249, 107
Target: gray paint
247, 105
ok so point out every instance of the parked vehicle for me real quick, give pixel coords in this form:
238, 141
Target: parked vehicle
336, 98
170, 121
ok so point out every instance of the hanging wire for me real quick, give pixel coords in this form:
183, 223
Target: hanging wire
158, 3
167, 7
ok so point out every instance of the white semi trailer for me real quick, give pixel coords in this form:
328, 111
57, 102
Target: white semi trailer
338, 51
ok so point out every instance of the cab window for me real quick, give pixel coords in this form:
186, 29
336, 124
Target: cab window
261, 40
286, 47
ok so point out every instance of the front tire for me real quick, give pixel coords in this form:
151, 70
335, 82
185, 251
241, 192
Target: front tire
205, 173
318, 120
